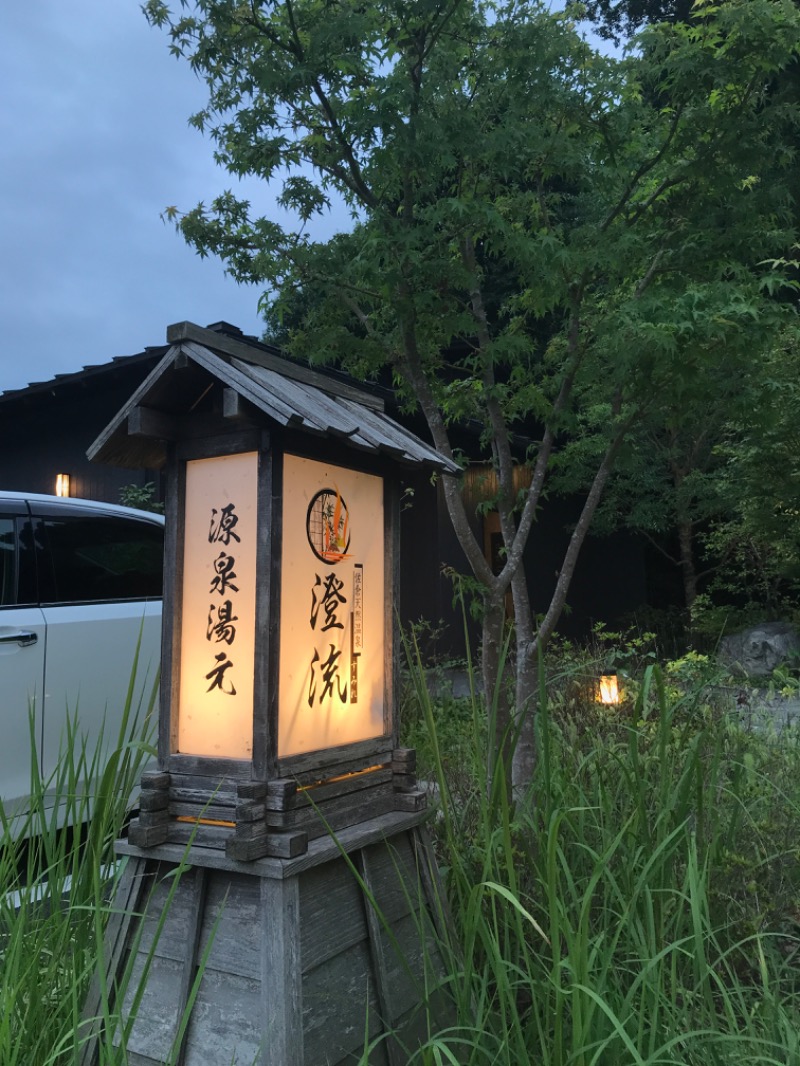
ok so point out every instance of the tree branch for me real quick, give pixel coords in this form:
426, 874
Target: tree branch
567, 570
643, 170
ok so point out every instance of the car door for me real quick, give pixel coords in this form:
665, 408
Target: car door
22, 654
101, 591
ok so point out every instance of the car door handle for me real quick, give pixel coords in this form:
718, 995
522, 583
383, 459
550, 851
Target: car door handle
23, 637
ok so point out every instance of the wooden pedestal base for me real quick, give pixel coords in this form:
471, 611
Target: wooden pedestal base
292, 962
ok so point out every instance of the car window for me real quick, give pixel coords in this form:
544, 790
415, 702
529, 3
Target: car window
98, 557
8, 582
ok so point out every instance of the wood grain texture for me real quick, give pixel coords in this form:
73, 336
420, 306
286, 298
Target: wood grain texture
319, 851
332, 913
281, 979
128, 895
377, 951
188, 331
340, 1007
302, 965
349, 758
318, 794
190, 958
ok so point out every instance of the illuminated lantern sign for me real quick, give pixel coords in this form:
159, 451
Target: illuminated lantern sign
217, 648
279, 651
331, 682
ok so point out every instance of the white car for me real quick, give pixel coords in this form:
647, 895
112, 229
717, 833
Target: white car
80, 583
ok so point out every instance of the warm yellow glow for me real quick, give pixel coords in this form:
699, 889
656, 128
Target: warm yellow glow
341, 777
608, 689
62, 484
332, 615
205, 821
217, 641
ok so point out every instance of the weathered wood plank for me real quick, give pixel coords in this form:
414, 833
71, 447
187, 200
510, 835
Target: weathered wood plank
340, 1008
132, 1059
154, 1028
102, 447
214, 770
319, 851
377, 950
155, 779
233, 405
147, 422
204, 809
170, 942
281, 980
206, 836
233, 917
203, 783
394, 878
179, 794
287, 845
346, 811
248, 850
435, 896
225, 1027
181, 331
153, 799
413, 963
343, 785
147, 836
131, 887
190, 960
331, 913
319, 765
411, 801
391, 597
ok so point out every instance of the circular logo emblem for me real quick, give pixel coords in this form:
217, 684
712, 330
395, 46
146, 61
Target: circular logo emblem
328, 526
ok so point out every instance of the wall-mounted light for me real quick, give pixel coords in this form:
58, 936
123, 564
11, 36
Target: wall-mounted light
608, 689
62, 484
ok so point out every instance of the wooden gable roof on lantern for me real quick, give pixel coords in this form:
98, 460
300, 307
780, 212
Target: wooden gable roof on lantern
279, 655
175, 402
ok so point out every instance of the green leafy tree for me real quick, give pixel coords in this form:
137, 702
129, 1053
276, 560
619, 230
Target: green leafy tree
671, 479
534, 239
757, 537
618, 20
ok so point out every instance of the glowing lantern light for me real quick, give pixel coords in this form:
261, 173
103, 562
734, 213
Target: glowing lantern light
608, 689
278, 654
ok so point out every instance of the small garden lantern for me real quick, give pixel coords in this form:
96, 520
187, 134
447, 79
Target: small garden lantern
608, 689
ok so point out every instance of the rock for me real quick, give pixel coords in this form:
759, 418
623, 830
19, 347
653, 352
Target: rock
755, 652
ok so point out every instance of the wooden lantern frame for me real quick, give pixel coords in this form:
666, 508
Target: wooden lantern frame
212, 396
266, 763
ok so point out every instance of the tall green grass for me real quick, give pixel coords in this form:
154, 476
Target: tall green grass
57, 874
639, 905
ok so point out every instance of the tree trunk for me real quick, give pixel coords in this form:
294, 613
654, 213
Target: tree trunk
688, 571
494, 687
524, 754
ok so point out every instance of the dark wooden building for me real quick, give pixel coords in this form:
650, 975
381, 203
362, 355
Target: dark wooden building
46, 428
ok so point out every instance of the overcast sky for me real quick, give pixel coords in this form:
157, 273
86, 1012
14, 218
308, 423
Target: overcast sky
94, 144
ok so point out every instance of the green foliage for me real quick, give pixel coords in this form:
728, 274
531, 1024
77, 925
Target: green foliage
56, 872
759, 540
141, 496
639, 904
542, 235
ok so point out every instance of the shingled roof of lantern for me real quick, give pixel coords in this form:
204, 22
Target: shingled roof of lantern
179, 399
